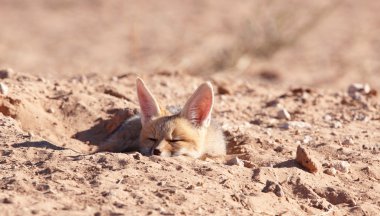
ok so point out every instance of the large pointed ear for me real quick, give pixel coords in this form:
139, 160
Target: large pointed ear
148, 105
199, 106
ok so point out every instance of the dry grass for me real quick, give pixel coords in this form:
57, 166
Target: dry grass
272, 26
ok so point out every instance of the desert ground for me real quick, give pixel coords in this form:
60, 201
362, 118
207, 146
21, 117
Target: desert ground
295, 78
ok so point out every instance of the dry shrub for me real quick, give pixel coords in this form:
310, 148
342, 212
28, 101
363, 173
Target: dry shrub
271, 26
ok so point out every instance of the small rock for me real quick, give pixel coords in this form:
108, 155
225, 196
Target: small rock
283, 114
336, 125
273, 187
307, 139
235, 161
355, 90
256, 122
279, 149
303, 157
42, 187
50, 110
4, 90
341, 166
40, 79
222, 90
348, 141
322, 204
7, 201
331, 171
360, 117
327, 118
209, 160
137, 156
295, 125
6, 73
272, 103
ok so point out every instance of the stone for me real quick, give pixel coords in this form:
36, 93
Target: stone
50, 110
295, 125
327, 118
341, 166
235, 161
355, 90
4, 90
331, 171
304, 158
223, 90
283, 114
274, 187
6, 73
307, 139
336, 125
348, 141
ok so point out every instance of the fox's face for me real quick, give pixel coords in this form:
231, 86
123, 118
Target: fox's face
179, 134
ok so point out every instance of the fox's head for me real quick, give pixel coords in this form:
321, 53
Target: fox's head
167, 134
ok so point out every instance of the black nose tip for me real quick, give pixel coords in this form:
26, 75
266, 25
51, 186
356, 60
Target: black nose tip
156, 152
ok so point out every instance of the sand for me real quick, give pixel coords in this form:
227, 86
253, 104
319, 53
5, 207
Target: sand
71, 81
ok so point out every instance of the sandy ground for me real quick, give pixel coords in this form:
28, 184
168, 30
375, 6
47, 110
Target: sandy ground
72, 82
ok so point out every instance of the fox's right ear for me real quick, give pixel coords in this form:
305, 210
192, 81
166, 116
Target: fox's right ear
199, 106
148, 105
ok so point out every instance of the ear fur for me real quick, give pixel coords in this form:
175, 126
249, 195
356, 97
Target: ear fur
198, 107
148, 104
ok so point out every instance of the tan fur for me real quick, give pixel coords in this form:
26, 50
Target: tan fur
174, 135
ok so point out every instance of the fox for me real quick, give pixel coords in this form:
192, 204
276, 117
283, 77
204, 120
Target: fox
157, 131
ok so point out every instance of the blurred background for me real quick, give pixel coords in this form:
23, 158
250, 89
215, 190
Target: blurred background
295, 42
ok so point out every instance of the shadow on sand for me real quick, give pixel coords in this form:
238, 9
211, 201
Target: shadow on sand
117, 134
38, 144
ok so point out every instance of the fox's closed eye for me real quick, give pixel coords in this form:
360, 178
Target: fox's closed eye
176, 140
152, 139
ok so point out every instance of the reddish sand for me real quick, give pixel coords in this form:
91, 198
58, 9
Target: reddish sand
73, 82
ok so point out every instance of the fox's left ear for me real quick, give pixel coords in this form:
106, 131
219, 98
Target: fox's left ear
148, 104
199, 106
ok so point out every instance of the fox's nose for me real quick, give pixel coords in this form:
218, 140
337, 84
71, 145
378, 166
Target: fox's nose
156, 152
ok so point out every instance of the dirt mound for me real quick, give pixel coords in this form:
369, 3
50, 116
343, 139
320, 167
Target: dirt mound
286, 74
47, 127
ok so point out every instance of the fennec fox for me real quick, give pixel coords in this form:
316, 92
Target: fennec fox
189, 132
156, 131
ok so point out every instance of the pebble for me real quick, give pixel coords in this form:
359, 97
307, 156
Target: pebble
4, 90
336, 125
7, 201
355, 90
307, 139
295, 125
327, 118
274, 187
283, 114
331, 171
137, 156
348, 141
223, 90
304, 158
235, 161
50, 110
341, 166
5, 73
